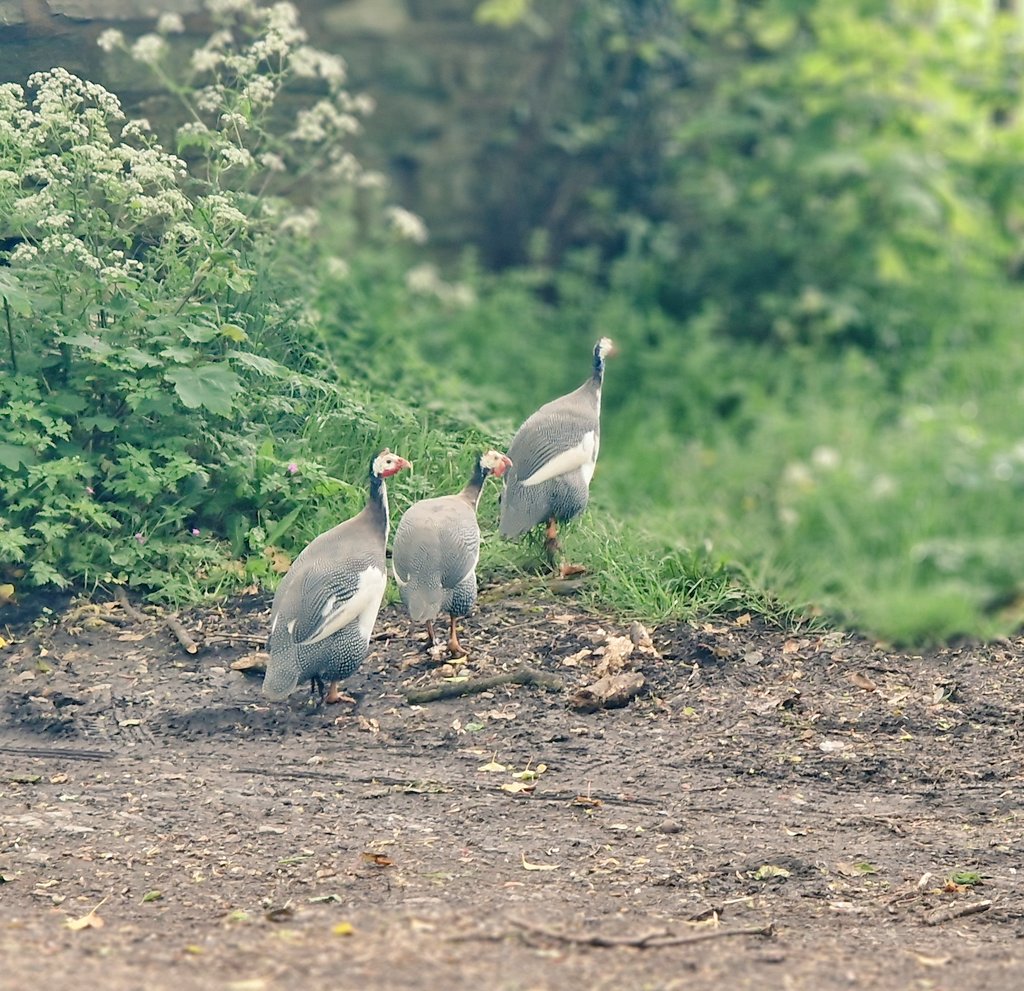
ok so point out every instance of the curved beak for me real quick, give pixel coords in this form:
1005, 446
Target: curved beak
506, 463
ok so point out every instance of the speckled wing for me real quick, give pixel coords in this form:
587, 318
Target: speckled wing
334, 581
436, 547
553, 456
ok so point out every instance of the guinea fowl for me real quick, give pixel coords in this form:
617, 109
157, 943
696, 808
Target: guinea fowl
326, 605
554, 454
437, 546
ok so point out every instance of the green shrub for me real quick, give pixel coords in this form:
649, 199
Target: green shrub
164, 361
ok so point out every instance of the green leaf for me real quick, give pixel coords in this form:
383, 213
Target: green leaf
259, 364
12, 456
211, 387
233, 333
503, 13
152, 896
201, 335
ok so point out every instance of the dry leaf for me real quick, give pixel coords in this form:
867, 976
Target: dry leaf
88, 921
518, 787
6, 593
537, 867
790, 647
378, 859
574, 659
343, 929
250, 662
492, 765
743, 620
862, 681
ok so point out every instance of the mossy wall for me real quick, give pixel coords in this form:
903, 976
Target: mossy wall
446, 87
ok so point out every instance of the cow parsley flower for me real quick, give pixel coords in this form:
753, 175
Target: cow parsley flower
149, 49
170, 23
110, 39
406, 224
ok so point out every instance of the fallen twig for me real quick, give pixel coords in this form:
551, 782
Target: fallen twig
955, 912
645, 941
254, 639
521, 676
129, 610
182, 634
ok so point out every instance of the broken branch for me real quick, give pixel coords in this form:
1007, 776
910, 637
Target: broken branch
521, 676
649, 940
955, 912
182, 634
126, 607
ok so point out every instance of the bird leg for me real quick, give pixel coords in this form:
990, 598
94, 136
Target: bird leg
551, 545
454, 646
431, 635
334, 696
553, 549
316, 684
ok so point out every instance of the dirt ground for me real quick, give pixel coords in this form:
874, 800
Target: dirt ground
771, 810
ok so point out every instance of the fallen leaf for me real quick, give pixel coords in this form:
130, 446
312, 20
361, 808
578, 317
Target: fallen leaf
743, 620
538, 867
6, 593
88, 921
768, 871
343, 929
250, 662
152, 896
587, 802
378, 859
862, 681
492, 765
518, 787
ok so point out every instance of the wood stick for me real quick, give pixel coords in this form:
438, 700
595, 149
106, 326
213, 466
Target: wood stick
646, 941
521, 676
255, 639
128, 609
955, 912
182, 634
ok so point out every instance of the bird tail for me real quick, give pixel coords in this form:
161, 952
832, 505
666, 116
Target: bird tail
282, 675
422, 603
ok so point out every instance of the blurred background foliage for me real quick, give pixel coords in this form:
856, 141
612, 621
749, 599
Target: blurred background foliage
801, 221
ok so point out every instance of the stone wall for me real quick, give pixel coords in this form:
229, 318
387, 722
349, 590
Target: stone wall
445, 87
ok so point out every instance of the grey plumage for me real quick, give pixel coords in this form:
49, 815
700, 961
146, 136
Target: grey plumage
436, 549
326, 605
554, 454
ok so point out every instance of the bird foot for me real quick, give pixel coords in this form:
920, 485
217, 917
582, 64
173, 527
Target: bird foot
333, 697
456, 649
571, 570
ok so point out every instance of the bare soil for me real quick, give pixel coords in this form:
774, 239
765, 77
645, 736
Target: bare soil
772, 810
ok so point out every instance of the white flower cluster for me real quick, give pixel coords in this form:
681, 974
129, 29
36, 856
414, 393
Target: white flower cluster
149, 49
300, 224
425, 280
325, 119
170, 23
406, 224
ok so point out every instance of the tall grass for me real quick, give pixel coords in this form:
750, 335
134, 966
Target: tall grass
882, 493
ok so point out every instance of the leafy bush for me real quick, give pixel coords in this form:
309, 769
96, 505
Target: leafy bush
165, 364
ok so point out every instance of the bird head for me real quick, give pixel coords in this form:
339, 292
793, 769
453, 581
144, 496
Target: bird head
604, 348
387, 464
495, 463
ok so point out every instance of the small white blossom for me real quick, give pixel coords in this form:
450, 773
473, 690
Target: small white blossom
56, 221
136, 129
210, 99
338, 268
217, 7
235, 120
23, 254
148, 49
206, 59
259, 91
301, 223
232, 155
170, 23
272, 162
406, 224
110, 39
